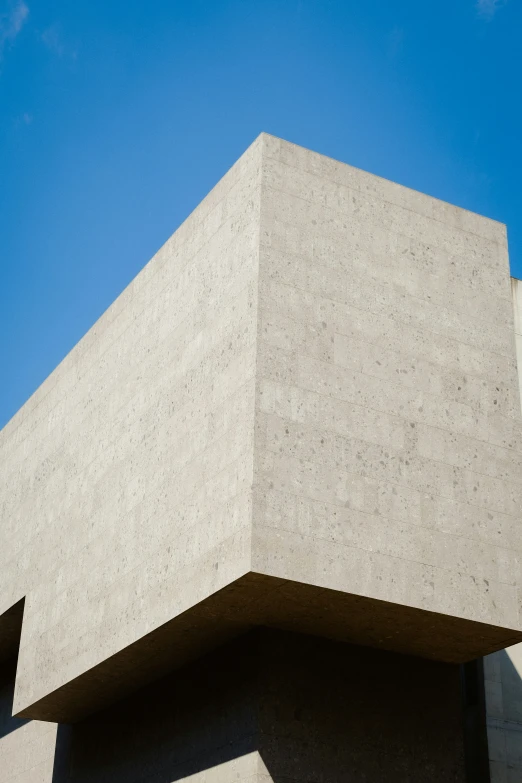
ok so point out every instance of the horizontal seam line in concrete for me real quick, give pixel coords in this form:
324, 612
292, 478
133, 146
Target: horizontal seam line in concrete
28, 608
409, 524
439, 368
435, 568
38, 421
381, 198
397, 519
507, 299
399, 320
413, 489
134, 369
106, 395
386, 286
88, 633
504, 723
514, 484
239, 390
429, 394
127, 287
245, 288
126, 573
148, 282
130, 300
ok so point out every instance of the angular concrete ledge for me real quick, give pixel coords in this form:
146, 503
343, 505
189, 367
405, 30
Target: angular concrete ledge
258, 600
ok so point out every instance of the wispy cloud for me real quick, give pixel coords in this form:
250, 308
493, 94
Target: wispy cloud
11, 22
487, 9
23, 119
52, 39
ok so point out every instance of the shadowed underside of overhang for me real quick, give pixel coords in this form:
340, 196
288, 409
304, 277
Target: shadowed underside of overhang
260, 600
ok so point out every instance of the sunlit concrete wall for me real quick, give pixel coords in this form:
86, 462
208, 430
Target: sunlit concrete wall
516, 289
27, 748
126, 477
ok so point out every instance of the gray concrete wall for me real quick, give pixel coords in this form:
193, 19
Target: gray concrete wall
516, 293
388, 440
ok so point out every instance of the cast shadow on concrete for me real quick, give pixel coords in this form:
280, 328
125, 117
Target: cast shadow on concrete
475, 736
504, 688
511, 681
8, 722
10, 630
197, 718
312, 709
163, 733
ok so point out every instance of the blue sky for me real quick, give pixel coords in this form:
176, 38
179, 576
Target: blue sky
116, 118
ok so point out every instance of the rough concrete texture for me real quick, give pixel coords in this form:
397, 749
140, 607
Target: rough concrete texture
516, 290
308, 398
278, 707
388, 448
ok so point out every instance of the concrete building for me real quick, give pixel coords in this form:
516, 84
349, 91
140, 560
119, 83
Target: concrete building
263, 522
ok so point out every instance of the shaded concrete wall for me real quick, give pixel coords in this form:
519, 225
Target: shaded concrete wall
336, 712
274, 706
503, 670
503, 683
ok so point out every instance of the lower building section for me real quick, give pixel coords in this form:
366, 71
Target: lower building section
27, 747
278, 706
282, 707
